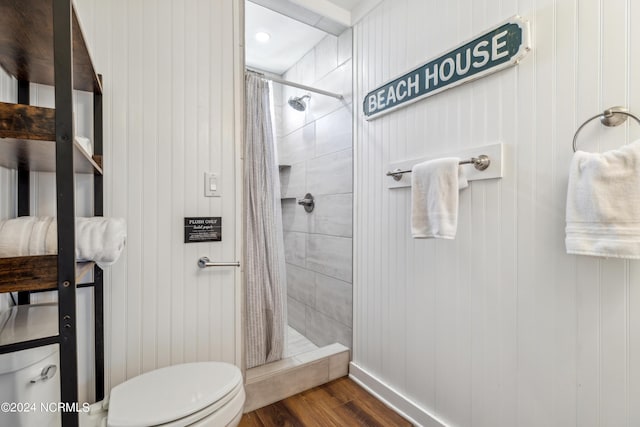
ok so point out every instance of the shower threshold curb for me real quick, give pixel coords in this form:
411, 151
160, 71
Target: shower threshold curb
278, 380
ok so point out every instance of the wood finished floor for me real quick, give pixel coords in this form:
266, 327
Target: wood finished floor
340, 403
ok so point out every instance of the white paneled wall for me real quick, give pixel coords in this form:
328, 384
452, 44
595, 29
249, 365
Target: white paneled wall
172, 72
499, 327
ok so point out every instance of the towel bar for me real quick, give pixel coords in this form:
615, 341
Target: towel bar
481, 163
205, 262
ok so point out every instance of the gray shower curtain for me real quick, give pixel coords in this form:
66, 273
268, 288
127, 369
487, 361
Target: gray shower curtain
265, 265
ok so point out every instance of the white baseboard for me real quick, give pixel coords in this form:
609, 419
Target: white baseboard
396, 401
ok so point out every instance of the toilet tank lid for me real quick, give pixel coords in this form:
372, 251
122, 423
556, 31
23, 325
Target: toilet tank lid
170, 393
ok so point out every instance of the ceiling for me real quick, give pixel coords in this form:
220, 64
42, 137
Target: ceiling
290, 40
294, 30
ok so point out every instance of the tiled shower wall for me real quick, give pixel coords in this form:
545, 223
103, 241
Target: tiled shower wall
317, 145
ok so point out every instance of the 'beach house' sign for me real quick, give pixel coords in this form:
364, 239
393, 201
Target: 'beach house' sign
501, 47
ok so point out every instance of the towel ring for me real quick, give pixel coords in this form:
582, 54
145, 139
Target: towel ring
611, 117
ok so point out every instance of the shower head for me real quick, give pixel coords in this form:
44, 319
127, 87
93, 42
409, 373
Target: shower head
297, 102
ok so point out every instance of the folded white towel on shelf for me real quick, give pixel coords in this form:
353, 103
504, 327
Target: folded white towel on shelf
434, 198
97, 239
603, 203
26, 236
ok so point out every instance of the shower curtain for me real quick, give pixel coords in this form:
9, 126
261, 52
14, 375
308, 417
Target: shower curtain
265, 263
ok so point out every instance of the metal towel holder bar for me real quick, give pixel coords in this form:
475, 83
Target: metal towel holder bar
205, 262
481, 163
611, 117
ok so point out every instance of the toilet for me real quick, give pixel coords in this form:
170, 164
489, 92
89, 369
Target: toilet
203, 394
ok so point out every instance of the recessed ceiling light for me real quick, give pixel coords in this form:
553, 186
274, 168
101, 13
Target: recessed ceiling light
263, 37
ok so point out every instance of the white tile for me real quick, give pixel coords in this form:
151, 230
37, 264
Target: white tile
330, 174
295, 248
294, 217
269, 369
297, 146
293, 180
338, 81
326, 56
301, 284
339, 365
334, 298
267, 390
298, 343
323, 330
293, 74
307, 68
333, 215
296, 315
345, 46
330, 255
326, 351
334, 132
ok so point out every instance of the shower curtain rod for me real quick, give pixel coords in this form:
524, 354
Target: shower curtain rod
298, 85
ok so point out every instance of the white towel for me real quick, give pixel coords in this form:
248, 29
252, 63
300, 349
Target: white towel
97, 239
17, 237
603, 203
100, 239
434, 198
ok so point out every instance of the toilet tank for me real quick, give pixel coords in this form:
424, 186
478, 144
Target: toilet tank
23, 387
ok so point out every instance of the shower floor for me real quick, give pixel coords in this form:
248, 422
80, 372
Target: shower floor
297, 343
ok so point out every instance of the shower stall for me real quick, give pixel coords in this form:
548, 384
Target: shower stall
312, 121
314, 150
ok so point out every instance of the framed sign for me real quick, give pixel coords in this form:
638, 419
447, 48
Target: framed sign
202, 229
498, 48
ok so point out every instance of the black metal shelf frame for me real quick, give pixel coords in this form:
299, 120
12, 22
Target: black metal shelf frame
65, 213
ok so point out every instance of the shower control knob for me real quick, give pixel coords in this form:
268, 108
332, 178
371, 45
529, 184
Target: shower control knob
307, 202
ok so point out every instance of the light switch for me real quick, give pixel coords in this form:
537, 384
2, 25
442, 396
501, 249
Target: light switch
211, 184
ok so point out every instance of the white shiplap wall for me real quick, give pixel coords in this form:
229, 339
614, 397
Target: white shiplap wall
499, 327
172, 74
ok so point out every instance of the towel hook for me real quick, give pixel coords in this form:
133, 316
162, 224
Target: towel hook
611, 117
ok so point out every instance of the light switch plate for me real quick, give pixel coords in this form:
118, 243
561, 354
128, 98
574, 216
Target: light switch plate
211, 185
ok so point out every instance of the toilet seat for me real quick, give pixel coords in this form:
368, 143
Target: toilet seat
176, 396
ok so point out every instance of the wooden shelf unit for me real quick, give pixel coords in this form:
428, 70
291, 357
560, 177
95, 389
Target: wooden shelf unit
26, 45
35, 273
27, 141
41, 41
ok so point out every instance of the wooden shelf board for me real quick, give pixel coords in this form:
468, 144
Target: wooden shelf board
34, 273
27, 135
26, 45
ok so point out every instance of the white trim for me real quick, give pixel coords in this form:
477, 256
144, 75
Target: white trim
404, 406
239, 111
